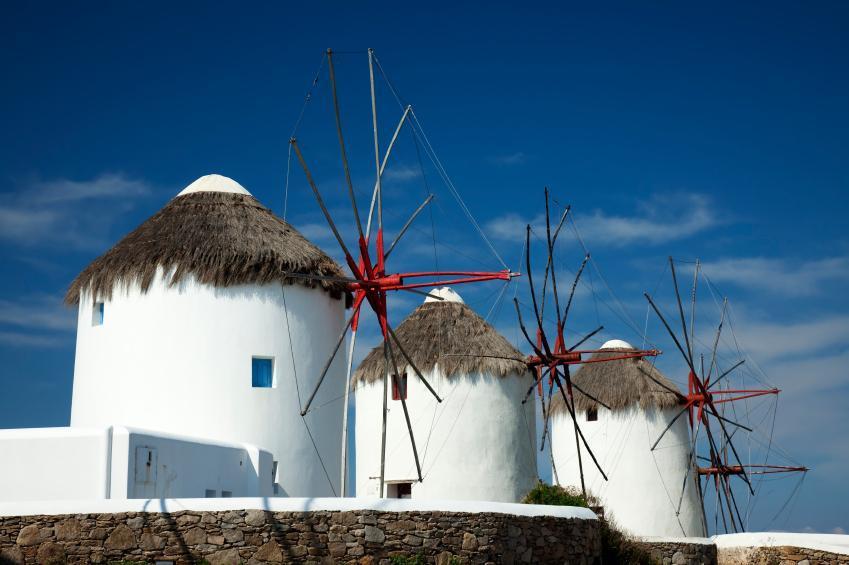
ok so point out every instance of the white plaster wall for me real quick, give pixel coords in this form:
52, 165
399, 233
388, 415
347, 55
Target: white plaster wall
54, 463
644, 486
478, 444
178, 360
185, 467
43, 464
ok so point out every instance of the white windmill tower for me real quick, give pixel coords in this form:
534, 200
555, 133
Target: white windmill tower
198, 323
478, 443
624, 406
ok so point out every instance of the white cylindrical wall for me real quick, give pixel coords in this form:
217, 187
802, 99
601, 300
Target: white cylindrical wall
643, 486
478, 444
178, 359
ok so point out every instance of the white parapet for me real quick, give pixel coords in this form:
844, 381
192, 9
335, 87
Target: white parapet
276, 504
50, 464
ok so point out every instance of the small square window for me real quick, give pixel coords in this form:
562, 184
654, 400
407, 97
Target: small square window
592, 414
226, 494
262, 372
209, 493
97, 314
399, 387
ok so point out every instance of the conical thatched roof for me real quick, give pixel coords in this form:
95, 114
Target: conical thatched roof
217, 232
437, 329
619, 384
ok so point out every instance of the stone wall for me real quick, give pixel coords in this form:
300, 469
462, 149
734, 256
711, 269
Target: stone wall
257, 536
669, 552
779, 555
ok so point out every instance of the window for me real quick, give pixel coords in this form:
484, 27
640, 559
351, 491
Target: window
262, 372
226, 494
97, 314
399, 387
209, 493
274, 484
399, 490
592, 414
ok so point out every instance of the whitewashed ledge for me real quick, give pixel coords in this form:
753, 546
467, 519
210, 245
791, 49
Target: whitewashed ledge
832, 543
660, 539
58, 507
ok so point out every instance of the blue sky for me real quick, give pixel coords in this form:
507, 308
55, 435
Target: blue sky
715, 131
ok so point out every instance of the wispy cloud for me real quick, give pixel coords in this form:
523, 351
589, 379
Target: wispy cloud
779, 276
38, 320
19, 339
401, 173
663, 218
44, 312
517, 158
76, 214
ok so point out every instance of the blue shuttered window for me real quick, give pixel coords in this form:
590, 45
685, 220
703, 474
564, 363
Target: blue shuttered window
262, 372
97, 314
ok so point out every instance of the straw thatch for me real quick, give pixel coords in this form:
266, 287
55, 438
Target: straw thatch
435, 330
619, 384
221, 239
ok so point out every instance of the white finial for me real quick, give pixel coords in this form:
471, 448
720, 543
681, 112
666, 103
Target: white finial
445, 293
617, 344
214, 183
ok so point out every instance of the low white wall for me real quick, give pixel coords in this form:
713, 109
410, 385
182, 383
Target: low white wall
833, 543
54, 463
116, 462
287, 505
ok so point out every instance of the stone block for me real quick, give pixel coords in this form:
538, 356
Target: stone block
374, 535
51, 553
255, 518
121, 538
195, 536
270, 552
68, 529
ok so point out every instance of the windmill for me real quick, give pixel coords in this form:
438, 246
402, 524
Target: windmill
372, 279
551, 356
704, 403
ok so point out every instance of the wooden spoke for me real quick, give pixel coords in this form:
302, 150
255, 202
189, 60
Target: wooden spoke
330, 360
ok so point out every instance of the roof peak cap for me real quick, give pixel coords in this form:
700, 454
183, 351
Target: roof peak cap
214, 183
617, 344
444, 294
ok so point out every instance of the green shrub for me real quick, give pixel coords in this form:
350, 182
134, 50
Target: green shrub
555, 495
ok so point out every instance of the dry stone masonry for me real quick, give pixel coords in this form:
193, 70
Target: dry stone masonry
257, 536
669, 552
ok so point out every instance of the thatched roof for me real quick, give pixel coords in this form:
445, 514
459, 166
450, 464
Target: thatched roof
216, 232
435, 329
619, 384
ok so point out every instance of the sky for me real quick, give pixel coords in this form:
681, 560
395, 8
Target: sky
716, 131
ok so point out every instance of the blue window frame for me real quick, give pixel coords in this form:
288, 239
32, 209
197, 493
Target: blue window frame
97, 314
262, 372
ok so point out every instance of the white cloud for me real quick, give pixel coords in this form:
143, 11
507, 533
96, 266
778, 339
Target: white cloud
401, 173
517, 158
779, 276
510, 226
75, 214
17, 339
44, 312
661, 219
